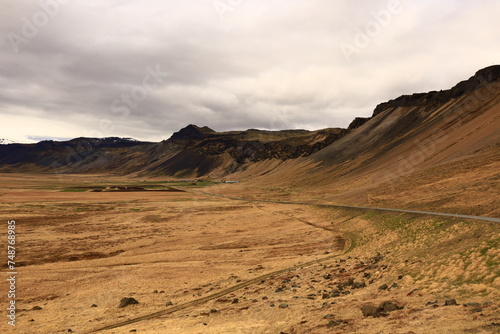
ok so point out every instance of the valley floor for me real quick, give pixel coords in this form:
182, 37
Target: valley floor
214, 265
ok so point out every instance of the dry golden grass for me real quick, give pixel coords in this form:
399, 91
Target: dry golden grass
77, 249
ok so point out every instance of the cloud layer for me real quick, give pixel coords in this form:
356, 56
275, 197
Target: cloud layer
144, 69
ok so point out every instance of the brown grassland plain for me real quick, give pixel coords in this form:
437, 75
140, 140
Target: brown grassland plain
79, 252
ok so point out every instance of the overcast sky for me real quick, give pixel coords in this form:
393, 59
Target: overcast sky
145, 69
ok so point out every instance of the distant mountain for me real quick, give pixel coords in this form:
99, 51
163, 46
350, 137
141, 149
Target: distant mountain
5, 141
192, 151
193, 131
196, 151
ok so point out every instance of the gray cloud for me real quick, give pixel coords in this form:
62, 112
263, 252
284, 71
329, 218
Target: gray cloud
226, 64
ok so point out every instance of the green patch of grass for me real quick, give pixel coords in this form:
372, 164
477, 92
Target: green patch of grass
196, 184
74, 190
354, 238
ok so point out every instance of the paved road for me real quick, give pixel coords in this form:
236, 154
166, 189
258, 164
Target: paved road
488, 219
272, 274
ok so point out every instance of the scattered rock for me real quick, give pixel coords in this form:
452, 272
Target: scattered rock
93, 305
377, 258
326, 296
265, 297
381, 310
450, 302
70, 331
278, 290
235, 301
162, 291
36, 308
370, 310
328, 316
334, 323
133, 331
389, 306
156, 291
394, 285
127, 301
383, 287
358, 285
272, 305
476, 310
169, 303
400, 277
213, 311
335, 293
493, 325
255, 301
472, 305
283, 305
32, 320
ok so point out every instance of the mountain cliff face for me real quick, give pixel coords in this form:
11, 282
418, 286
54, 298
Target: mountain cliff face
403, 135
439, 150
408, 117
434, 99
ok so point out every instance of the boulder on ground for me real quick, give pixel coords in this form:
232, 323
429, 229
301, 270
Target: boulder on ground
389, 306
370, 310
450, 302
384, 307
127, 301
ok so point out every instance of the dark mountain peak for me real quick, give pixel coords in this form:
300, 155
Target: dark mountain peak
488, 74
357, 122
193, 131
432, 99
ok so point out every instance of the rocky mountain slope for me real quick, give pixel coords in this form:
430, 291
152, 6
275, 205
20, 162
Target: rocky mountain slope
191, 152
438, 150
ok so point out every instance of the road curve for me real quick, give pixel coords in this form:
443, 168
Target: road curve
488, 219
272, 274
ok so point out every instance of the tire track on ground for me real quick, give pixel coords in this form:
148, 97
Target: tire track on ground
224, 292
345, 242
338, 239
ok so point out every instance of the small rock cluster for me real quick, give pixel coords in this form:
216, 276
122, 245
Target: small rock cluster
370, 310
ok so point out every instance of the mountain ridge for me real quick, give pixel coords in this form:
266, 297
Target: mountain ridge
203, 152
